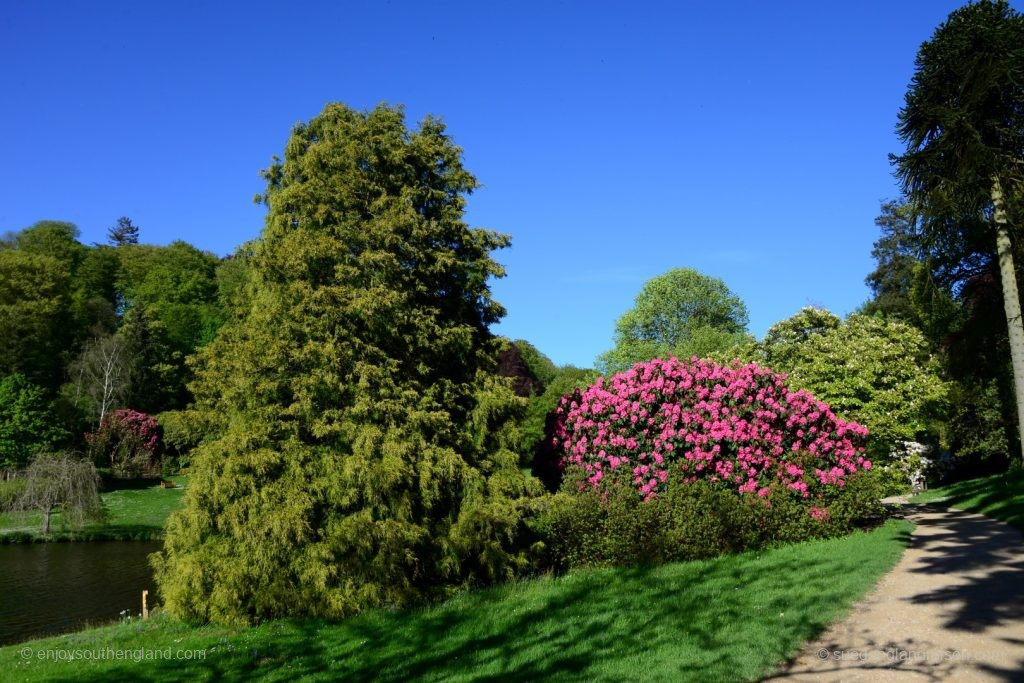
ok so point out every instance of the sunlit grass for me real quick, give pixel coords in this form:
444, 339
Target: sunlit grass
1000, 496
138, 513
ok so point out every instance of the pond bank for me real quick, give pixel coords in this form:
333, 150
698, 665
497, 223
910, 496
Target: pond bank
133, 514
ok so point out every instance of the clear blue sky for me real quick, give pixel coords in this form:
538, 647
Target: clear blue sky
617, 140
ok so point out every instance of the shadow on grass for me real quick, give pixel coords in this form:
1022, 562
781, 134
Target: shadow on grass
111, 483
1000, 496
728, 619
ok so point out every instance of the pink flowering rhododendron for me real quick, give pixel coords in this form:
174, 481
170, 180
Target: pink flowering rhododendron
127, 441
738, 426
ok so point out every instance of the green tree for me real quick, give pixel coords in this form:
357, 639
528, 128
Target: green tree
34, 315
123, 232
179, 283
27, 422
681, 313
963, 124
57, 239
898, 255
361, 451
155, 370
232, 281
94, 294
879, 372
55, 293
541, 367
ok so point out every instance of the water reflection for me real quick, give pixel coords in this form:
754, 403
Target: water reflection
48, 588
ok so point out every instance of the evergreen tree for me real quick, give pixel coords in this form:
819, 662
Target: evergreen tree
362, 449
963, 124
124, 232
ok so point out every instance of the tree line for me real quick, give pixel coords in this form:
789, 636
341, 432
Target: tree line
86, 330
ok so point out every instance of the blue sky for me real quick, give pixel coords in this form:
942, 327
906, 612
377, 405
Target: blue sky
748, 140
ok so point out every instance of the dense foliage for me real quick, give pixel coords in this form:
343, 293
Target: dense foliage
536, 450
28, 423
96, 328
879, 372
963, 125
513, 365
965, 327
692, 520
541, 367
361, 452
681, 313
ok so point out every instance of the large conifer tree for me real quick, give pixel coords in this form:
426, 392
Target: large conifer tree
359, 453
963, 123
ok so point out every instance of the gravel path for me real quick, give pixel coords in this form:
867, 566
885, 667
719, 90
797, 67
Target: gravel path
951, 610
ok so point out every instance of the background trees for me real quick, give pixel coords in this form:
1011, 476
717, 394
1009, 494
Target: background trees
879, 372
963, 123
96, 328
362, 455
681, 313
34, 315
28, 423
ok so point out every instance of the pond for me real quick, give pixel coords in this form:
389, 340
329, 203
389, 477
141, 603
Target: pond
49, 588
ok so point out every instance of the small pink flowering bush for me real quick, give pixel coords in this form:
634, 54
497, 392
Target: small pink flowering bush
738, 426
676, 460
127, 442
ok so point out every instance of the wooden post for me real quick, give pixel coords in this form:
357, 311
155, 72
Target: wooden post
145, 607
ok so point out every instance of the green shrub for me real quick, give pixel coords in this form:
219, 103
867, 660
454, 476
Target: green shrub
693, 521
566, 379
28, 423
183, 431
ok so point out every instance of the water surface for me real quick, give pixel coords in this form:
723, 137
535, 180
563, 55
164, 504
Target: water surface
48, 588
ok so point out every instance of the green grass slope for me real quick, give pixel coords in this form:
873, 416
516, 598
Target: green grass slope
132, 514
734, 618
1000, 496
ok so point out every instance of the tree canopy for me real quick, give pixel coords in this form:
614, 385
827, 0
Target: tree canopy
879, 372
680, 313
362, 452
963, 168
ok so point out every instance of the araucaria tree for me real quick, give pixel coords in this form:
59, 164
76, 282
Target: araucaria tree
361, 454
963, 123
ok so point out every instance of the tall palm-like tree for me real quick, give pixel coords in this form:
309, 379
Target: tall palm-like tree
963, 124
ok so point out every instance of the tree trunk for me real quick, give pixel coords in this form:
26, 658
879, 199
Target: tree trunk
46, 521
1011, 302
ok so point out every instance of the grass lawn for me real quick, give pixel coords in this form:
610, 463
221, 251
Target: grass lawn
734, 618
1000, 496
132, 514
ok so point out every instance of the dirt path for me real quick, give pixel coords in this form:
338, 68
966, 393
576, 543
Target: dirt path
951, 610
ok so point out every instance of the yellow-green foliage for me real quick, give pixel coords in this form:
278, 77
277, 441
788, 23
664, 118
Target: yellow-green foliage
361, 454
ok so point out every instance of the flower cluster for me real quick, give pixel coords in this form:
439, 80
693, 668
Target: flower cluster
739, 425
127, 441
